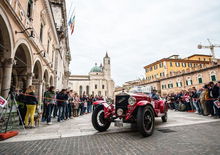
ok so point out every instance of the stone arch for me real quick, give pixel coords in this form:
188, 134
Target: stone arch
27, 51
46, 76
6, 32
23, 64
45, 80
6, 46
37, 70
37, 78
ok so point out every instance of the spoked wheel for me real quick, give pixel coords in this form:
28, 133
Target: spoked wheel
98, 121
145, 121
164, 118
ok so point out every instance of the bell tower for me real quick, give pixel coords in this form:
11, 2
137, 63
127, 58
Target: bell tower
107, 67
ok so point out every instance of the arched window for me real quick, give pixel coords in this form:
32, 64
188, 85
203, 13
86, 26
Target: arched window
199, 77
213, 76
30, 8
164, 86
189, 81
96, 86
100, 93
170, 85
80, 90
87, 90
178, 83
103, 86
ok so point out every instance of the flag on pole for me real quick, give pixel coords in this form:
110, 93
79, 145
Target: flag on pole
71, 22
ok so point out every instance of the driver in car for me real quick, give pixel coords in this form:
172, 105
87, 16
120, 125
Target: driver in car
154, 95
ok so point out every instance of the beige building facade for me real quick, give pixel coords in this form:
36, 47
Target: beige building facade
185, 80
181, 80
34, 47
97, 82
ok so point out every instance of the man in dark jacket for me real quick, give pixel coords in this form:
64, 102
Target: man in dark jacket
22, 106
216, 96
210, 102
62, 98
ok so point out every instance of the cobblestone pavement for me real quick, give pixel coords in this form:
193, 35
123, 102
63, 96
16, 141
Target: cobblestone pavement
187, 140
82, 125
184, 133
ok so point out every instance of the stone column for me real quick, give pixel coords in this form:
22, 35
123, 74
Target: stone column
29, 78
6, 78
40, 89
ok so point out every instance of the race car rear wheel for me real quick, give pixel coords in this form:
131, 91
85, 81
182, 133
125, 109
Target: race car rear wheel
98, 121
145, 121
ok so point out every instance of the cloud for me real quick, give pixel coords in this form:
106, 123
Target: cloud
136, 33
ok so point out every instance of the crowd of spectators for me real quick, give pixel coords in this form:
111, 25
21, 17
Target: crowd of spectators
63, 105
204, 101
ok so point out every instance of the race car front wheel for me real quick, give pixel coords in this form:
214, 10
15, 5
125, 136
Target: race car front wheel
98, 120
145, 120
164, 118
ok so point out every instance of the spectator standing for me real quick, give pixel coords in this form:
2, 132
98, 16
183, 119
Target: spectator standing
70, 103
50, 97
55, 108
89, 104
44, 115
21, 106
203, 99
76, 102
210, 101
61, 104
195, 98
186, 101
216, 95
31, 103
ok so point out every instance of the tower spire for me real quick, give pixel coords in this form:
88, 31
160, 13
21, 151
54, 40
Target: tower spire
106, 55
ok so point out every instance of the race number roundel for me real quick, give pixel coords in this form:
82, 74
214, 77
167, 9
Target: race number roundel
3, 102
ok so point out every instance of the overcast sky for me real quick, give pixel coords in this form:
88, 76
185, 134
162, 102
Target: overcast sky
138, 32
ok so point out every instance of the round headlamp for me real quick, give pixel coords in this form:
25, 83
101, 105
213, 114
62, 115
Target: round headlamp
120, 112
132, 100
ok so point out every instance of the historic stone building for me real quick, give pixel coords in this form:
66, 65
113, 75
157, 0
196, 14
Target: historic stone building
34, 48
98, 82
169, 66
180, 78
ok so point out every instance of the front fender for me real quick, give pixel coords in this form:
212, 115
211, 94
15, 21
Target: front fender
98, 102
108, 109
131, 108
143, 103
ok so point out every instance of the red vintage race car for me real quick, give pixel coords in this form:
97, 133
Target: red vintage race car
136, 108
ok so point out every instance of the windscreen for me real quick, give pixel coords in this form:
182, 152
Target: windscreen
141, 89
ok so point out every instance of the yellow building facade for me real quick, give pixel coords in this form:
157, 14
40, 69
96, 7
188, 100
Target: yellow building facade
169, 66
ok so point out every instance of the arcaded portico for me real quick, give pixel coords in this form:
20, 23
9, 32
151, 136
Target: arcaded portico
31, 50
